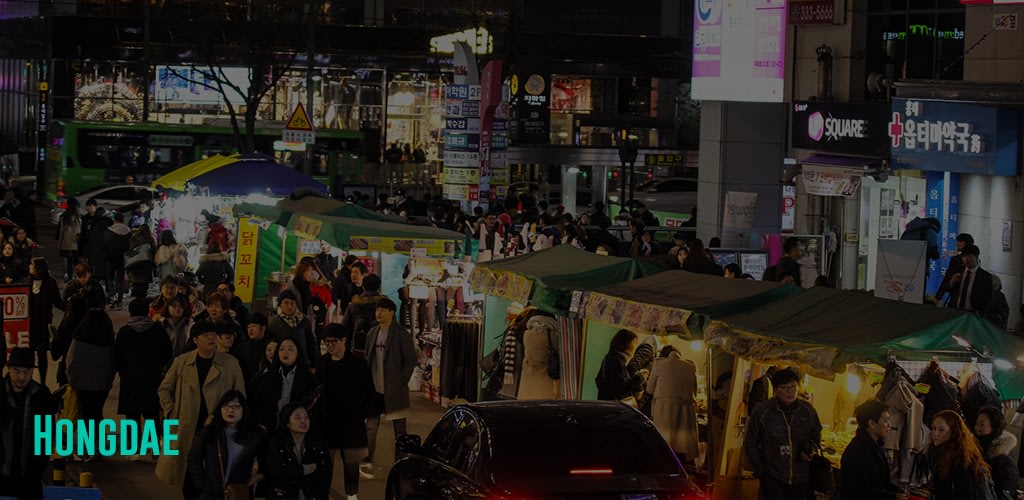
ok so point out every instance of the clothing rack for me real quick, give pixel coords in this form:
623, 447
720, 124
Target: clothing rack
461, 342
951, 361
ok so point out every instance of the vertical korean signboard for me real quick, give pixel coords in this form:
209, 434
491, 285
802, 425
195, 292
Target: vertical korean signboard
462, 130
245, 258
533, 116
494, 125
15, 315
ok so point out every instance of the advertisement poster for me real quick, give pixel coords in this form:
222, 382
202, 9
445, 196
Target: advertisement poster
832, 181
739, 50
754, 264
738, 218
245, 258
900, 271
15, 315
788, 208
437, 248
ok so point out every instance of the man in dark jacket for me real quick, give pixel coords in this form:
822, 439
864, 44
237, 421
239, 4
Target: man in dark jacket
789, 264
21, 399
972, 289
760, 390
141, 351
235, 304
865, 470
96, 252
88, 220
955, 266
782, 436
251, 351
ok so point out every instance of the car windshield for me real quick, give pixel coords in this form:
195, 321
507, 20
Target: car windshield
622, 447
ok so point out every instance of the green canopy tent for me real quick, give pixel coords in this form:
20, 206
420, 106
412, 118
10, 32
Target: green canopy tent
343, 232
547, 279
282, 211
822, 330
678, 302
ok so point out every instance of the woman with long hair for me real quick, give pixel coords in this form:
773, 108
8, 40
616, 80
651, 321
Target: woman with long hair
289, 380
170, 255
43, 296
996, 444
958, 468
69, 229
223, 457
615, 382
299, 461
177, 322
23, 245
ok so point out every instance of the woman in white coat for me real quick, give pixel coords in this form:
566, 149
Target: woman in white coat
673, 383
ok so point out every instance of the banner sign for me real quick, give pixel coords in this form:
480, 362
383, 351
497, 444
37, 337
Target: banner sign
738, 218
15, 315
245, 258
831, 181
854, 128
308, 227
468, 176
900, 270
954, 137
402, 245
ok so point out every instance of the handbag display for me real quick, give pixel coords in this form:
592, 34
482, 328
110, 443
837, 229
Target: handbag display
554, 364
137, 256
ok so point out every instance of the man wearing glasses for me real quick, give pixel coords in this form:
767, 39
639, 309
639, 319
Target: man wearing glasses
782, 436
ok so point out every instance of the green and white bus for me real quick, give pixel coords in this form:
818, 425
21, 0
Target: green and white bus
82, 155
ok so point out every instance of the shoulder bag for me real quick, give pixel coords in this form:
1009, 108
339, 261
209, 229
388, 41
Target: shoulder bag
137, 257
232, 491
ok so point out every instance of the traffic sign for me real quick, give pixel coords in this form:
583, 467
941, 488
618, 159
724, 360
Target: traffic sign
299, 127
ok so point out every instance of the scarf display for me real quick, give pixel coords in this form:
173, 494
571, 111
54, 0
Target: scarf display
509, 347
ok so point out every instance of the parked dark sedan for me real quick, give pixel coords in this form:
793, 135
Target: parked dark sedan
540, 449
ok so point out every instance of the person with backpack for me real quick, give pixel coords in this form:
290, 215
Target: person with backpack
214, 267
359, 315
171, 257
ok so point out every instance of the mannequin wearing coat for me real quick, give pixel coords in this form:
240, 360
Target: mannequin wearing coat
673, 383
534, 383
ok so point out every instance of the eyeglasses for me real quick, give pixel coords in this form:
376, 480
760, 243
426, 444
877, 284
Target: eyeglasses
331, 341
233, 406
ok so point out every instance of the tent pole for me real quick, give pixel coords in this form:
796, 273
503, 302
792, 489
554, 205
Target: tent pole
709, 454
284, 241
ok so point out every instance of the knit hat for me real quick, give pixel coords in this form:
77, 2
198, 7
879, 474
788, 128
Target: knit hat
200, 328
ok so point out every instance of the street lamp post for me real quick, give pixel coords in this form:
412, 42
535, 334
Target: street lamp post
629, 146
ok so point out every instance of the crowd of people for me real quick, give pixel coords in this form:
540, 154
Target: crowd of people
251, 393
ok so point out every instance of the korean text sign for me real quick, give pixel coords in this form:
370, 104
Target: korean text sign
954, 137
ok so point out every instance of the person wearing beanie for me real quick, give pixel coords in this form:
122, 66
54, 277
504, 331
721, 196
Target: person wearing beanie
290, 322
179, 399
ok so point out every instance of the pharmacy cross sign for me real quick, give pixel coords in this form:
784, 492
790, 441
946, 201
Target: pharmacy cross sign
299, 128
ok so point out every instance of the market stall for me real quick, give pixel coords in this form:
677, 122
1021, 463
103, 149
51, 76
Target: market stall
198, 198
671, 309
547, 283
419, 269
845, 343
282, 210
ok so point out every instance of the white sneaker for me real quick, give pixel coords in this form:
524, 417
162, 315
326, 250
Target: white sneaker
133, 458
366, 470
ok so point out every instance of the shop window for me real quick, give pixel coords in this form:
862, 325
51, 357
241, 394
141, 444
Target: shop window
916, 39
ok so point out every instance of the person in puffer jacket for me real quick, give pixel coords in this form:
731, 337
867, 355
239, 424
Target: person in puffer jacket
782, 436
996, 444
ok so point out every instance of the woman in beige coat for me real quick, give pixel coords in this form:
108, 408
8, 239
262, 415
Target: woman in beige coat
180, 393
673, 382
